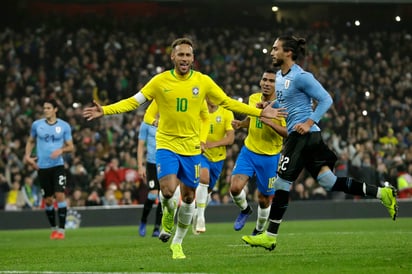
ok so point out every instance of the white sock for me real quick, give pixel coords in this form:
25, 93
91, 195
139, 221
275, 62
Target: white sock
201, 199
184, 219
263, 215
240, 200
169, 204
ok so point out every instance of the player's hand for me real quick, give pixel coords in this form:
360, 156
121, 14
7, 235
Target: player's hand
203, 147
32, 161
56, 153
274, 113
302, 128
236, 124
261, 105
93, 112
265, 120
142, 173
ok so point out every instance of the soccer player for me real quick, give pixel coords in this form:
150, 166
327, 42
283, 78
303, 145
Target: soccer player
258, 157
304, 147
220, 135
52, 137
147, 139
180, 94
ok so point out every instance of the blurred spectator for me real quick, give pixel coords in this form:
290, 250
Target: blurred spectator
79, 177
15, 199
78, 198
316, 192
127, 198
299, 192
114, 174
214, 198
404, 182
109, 198
4, 189
389, 141
94, 199
31, 193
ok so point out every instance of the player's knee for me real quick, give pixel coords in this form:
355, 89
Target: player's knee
188, 199
281, 184
237, 184
327, 180
151, 196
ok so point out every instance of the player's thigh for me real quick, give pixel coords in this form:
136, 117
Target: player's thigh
320, 156
243, 163
291, 160
59, 179
204, 170
214, 173
46, 181
189, 170
266, 173
167, 163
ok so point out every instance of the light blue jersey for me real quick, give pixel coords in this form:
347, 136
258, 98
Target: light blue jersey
48, 139
295, 91
148, 134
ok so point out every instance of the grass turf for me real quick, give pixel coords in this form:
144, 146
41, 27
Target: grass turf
324, 246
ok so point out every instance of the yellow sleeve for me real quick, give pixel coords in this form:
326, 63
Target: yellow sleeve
236, 106
204, 123
229, 117
151, 113
122, 106
219, 97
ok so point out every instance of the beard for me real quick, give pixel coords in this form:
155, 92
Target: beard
277, 63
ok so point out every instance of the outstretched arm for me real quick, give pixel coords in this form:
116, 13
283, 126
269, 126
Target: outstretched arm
121, 106
95, 111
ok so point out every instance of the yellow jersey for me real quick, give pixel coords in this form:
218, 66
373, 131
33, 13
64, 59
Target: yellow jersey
180, 100
220, 122
261, 138
153, 110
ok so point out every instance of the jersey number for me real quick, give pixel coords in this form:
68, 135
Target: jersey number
197, 171
284, 161
181, 104
259, 123
62, 180
49, 138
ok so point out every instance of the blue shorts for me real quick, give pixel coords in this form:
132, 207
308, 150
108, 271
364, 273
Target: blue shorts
186, 168
263, 166
215, 168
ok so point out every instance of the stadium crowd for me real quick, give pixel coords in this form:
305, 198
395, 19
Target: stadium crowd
367, 73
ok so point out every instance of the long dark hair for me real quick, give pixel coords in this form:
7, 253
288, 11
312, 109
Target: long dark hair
295, 44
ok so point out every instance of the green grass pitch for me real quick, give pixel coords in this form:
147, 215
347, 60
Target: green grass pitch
324, 246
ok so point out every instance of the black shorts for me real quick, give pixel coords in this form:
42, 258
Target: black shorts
52, 180
304, 151
152, 180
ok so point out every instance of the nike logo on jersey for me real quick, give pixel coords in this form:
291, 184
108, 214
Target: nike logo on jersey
166, 90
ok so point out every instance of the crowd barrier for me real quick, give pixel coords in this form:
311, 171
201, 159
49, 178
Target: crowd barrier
130, 215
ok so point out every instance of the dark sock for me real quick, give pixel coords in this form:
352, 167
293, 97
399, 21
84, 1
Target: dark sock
51, 216
62, 213
279, 206
146, 210
159, 214
354, 187
247, 210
